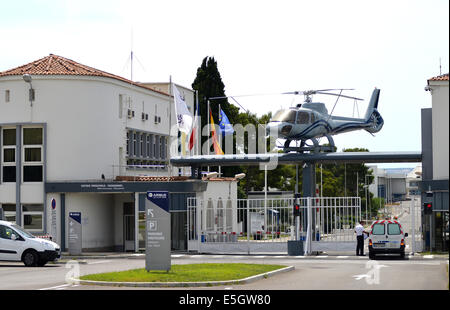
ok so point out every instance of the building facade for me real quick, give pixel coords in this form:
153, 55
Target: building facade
435, 165
75, 138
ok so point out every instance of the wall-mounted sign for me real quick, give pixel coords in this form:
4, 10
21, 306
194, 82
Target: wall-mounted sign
53, 220
157, 236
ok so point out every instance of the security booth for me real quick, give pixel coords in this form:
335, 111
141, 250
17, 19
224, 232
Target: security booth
113, 213
435, 215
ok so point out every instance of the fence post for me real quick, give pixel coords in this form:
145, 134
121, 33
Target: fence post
308, 226
412, 211
248, 227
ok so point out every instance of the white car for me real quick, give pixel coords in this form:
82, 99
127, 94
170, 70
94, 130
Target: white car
16, 244
386, 237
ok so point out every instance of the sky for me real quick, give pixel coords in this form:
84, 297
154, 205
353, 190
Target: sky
261, 47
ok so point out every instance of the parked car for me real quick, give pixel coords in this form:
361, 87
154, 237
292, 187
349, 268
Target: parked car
386, 237
16, 244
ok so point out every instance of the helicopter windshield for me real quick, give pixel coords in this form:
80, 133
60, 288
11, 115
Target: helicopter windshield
285, 116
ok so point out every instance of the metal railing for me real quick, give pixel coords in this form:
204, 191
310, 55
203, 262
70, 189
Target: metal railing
331, 219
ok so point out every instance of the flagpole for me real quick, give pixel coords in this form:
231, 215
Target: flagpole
209, 130
198, 133
220, 143
169, 173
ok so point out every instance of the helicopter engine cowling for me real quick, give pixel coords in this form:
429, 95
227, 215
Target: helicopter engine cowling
375, 121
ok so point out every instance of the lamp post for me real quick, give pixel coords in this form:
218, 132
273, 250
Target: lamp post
27, 79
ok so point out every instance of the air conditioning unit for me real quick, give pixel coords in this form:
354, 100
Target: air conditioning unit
130, 113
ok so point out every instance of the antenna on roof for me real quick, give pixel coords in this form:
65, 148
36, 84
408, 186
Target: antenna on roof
131, 55
440, 66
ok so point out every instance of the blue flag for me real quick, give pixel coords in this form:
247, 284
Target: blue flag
224, 124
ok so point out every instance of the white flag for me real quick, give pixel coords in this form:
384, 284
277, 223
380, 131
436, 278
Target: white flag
184, 117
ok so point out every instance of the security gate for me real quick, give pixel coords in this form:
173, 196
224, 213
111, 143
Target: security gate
265, 226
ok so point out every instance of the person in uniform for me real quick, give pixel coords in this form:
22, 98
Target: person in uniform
359, 230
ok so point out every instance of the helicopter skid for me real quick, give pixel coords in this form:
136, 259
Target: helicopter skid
311, 149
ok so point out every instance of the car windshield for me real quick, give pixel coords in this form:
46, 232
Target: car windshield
393, 229
378, 229
285, 116
22, 231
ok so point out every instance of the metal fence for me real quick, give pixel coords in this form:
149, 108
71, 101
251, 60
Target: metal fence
265, 225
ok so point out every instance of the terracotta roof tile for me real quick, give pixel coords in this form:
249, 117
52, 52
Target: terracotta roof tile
443, 77
57, 65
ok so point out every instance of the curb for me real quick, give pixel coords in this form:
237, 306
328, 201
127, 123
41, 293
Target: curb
102, 256
185, 284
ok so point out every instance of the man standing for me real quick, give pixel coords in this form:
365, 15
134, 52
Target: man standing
359, 230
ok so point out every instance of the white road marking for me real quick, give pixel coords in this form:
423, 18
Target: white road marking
218, 256
177, 255
360, 276
341, 256
428, 256
55, 287
321, 256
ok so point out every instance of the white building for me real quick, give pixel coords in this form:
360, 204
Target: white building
435, 164
395, 184
84, 140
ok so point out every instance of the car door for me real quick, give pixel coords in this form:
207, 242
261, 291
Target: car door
379, 236
8, 247
394, 235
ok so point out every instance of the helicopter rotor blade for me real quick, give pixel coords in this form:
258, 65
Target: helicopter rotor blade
314, 91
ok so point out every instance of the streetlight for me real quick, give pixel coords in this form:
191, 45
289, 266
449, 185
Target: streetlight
27, 79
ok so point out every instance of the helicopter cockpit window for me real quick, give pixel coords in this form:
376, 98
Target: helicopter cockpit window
303, 118
285, 116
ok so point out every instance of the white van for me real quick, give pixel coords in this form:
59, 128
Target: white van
386, 237
16, 244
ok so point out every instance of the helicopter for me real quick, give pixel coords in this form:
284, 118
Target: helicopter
310, 121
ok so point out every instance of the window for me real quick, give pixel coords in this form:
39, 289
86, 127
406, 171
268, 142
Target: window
5, 232
32, 173
378, 229
303, 118
393, 229
155, 149
142, 150
285, 116
7, 95
9, 212
128, 143
33, 217
8, 155
32, 155
134, 144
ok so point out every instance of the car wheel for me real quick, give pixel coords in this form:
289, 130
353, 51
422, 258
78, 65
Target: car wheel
371, 256
30, 258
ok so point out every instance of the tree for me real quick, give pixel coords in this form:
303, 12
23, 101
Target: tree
208, 83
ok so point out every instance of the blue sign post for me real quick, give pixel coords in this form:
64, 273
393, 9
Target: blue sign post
75, 237
157, 236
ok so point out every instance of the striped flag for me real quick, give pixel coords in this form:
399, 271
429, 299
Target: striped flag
217, 148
